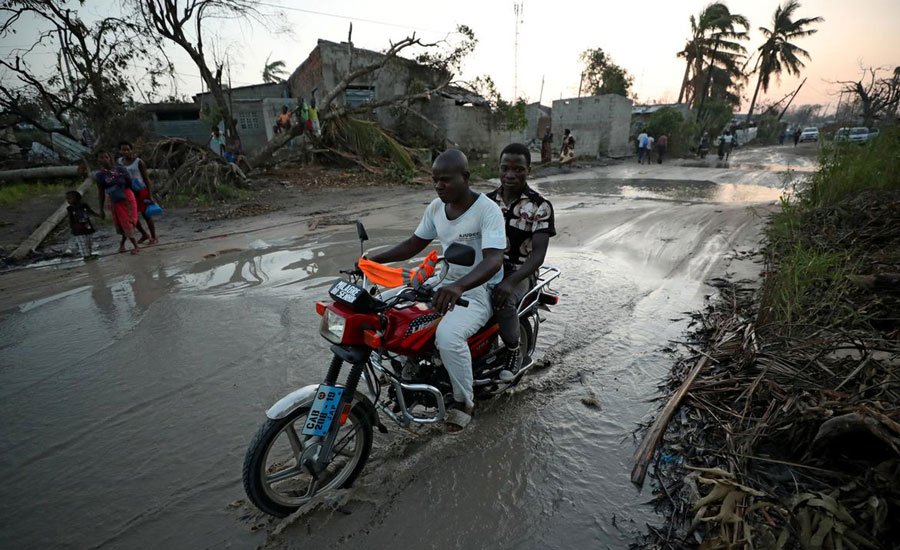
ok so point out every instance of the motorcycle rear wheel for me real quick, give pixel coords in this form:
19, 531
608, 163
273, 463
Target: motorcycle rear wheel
273, 477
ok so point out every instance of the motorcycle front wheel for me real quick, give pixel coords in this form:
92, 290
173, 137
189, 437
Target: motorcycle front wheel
275, 479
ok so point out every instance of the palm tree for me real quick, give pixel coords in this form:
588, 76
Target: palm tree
777, 54
273, 72
714, 37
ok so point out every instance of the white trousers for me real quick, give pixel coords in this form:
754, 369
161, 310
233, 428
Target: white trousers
452, 337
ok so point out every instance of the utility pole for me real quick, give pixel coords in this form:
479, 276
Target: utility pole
540, 97
518, 9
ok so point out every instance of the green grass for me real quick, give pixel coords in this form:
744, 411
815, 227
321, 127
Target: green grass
847, 169
811, 279
16, 192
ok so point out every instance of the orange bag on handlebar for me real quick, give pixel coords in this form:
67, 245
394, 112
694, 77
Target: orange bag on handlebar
383, 275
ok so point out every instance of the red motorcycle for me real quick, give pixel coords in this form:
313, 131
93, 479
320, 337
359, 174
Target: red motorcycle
318, 438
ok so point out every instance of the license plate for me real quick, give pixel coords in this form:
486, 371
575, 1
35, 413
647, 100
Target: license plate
323, 410
345, 292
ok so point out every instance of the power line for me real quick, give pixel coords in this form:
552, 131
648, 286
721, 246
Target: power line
348, 18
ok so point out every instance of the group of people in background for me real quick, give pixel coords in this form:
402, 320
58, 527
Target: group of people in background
645, 141
787, 133
305, 115
123, 184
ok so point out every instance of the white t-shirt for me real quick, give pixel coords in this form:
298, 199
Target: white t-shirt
650, 141
481, 226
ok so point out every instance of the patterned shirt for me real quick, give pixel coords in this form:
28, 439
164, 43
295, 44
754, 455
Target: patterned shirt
529, 214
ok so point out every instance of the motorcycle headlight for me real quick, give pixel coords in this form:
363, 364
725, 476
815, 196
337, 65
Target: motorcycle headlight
333, 325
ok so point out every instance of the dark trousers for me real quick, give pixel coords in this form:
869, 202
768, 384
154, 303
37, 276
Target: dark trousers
660, 151
507, 314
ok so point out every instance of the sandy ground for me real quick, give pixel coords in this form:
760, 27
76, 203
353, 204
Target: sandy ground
131, 386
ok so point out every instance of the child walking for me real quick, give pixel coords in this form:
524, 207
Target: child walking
80, 224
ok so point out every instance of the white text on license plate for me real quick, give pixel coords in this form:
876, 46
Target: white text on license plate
323, 410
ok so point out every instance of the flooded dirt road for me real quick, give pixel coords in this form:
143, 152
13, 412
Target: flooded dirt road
130, 390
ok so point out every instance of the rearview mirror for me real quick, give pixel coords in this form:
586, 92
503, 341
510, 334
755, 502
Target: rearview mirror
361, 231
460, 254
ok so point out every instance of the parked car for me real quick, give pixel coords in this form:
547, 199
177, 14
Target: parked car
873, 133
858, 134
809, 134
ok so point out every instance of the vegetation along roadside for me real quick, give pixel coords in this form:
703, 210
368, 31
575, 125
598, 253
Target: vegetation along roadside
788, 433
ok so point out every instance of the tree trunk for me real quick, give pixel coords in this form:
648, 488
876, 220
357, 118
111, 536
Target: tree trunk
684, 81
263, 156
216, 90
753, 101
37, 237
39, 173
707, 81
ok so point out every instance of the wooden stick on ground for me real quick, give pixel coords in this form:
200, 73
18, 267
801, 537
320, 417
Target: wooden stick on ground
645, 451
38, 235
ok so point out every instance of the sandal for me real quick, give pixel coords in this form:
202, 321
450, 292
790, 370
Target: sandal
458, 418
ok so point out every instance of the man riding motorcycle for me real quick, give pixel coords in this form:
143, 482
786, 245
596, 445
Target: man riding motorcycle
458, 215
529, 225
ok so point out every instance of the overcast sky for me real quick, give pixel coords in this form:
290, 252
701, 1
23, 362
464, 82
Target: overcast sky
643, 36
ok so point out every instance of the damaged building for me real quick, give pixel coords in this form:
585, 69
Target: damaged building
452, 117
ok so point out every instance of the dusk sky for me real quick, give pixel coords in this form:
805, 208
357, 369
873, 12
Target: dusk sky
551, 37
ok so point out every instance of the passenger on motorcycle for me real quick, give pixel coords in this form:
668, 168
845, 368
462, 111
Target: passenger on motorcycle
529, 225
458, 215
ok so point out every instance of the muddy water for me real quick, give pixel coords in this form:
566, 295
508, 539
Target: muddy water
127, 403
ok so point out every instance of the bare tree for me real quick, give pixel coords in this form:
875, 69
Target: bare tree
444, 57
89, 80
874, 95
184, 22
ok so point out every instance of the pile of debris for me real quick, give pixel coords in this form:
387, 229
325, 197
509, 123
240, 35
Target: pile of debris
192, 169
786, 433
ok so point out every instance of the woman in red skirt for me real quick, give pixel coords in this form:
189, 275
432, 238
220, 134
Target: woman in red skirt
114, 182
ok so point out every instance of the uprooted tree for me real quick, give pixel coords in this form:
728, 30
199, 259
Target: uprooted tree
875, 95
444, 58
87, 83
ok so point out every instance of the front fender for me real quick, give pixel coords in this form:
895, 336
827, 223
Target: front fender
304, 397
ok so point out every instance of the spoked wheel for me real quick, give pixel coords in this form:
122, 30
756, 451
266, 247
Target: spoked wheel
276, 476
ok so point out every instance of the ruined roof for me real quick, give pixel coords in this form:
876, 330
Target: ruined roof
462, 96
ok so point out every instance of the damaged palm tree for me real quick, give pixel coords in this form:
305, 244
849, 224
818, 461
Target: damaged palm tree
443, 57
365, 142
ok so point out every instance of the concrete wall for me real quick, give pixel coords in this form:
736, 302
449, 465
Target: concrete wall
600, 124
539, 118
329, 62
251, 124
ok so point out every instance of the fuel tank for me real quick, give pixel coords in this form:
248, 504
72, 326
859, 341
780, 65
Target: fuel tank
410, 331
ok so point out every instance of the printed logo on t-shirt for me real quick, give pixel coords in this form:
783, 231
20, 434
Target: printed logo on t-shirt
469, 236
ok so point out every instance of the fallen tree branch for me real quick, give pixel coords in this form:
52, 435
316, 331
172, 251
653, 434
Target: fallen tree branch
645, 451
